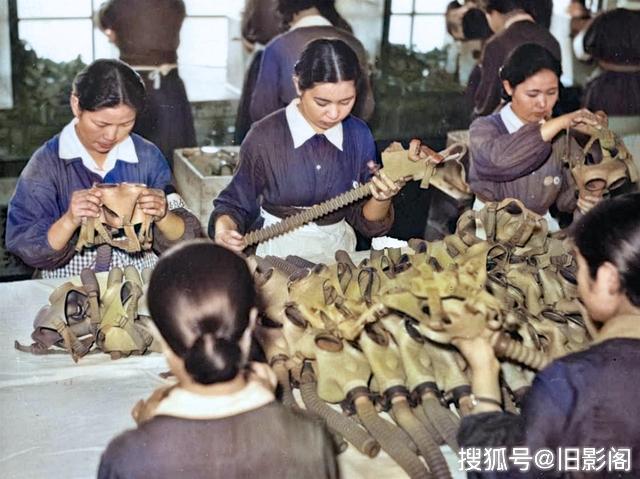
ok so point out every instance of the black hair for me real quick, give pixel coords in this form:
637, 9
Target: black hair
200, 297
614, 36
527, 60
327, 8
540, 10
503, 6
327, 61
108, 83
610, 232
475, 25
453, 5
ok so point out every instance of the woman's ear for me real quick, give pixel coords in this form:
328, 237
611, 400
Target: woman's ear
176, 365
608, 279
245, 341
507, 87
296, 83
75, 105
111, 35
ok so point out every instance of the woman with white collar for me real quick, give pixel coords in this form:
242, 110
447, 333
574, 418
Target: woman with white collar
221, 419
518, 152
306, 153
308, 20
514, 24
53, 195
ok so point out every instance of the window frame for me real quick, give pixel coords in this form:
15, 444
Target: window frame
412, 14
93, 18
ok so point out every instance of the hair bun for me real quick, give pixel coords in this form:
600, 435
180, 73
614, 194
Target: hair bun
211, 359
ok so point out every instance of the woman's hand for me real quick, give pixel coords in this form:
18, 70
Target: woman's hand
383, 188
478, 353
227, 234
420, 152
84, 204
583, 121
586, 202
153, 202
587, 122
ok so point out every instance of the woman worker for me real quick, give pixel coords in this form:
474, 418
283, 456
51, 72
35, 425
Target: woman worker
303, 154
54, 194
582, 400
308, 20
147, 33
517, 152
221, 419
613, 40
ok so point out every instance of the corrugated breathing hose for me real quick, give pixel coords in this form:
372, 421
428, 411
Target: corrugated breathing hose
401, 454
429, 450
335, 421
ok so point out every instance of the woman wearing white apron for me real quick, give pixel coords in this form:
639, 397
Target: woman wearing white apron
304, 154
519, 151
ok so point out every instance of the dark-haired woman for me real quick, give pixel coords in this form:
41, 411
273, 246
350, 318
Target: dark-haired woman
54, 194
308, 20
221, 420
517, 152
613, 40
581, 402
301, 155
514, 24
147, 33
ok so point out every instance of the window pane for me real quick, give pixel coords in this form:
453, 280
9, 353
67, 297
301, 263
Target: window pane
400, 30
103, 47
54, 8
58, 40
401, 6
218, 7
429, 32
432, 6
203, 41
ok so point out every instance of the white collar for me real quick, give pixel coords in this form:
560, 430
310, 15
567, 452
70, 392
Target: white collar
510, 119
311, 21
258, 392
70, 147
301, 130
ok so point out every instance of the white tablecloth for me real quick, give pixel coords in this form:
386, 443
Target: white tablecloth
56, 417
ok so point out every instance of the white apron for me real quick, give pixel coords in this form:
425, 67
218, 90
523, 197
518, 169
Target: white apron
309, 241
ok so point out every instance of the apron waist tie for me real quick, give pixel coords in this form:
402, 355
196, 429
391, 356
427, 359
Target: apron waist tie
156, 72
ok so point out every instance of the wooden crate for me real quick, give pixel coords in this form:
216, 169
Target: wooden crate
194, 182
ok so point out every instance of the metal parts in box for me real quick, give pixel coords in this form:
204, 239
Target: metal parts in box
201, 174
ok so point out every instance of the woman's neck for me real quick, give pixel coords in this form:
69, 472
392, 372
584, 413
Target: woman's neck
317, 129
98, 157
626, 324
308, 12
217, 389
516, 16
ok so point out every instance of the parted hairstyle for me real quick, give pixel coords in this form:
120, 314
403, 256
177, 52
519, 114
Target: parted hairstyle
327, 61
527, 60
108, 83
200, 297
610, 232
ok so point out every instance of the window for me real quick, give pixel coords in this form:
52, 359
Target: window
418, 24
63, 29
6, 91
